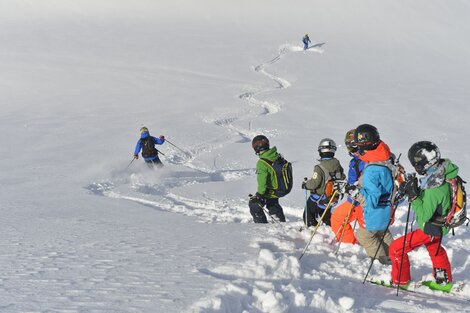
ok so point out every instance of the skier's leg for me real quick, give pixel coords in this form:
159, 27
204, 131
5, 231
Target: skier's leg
158, 163
256, 210
338, 219
311, 212
413, 240
440, 262
275, 209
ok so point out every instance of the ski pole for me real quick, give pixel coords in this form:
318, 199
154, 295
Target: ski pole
404, 244
160, 152
346, 221
379, 246
187, 153
130, 163
318, 225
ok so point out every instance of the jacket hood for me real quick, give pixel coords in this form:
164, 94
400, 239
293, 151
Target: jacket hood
270, 154
381, 153
452, 170
145, 135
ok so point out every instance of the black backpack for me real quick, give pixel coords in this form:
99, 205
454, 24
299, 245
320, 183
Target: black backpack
283, 170
148, 147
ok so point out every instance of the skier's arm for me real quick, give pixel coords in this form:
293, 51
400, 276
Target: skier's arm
425, 205
158, 141
138, 147
262, 177
315, 182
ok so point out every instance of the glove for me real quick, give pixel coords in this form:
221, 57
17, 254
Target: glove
351, 190
136, 156
162, 137
257, 198
304, 183
411, 188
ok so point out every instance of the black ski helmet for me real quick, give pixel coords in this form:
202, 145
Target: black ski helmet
366, 137
349, 141
327, 147
260, 143
423, 155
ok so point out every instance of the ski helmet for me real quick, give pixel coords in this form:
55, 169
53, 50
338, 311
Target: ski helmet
327, 147
144, 130
349, 141
423, 155
366, 137
260, 143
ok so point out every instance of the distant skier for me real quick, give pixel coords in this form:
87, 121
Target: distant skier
325, 178
306, 41
267, 182
376, 188
431, 201
147, 143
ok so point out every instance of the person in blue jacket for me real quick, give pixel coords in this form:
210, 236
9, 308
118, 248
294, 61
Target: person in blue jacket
147, 143
376, 188
306, 41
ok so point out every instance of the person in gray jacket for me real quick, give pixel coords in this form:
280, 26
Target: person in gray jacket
325, 178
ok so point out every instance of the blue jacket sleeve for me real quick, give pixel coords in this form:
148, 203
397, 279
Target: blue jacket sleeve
138, 147
158, 141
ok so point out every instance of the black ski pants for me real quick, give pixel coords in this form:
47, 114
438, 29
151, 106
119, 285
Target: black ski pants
273, 206
314, 212
154, 163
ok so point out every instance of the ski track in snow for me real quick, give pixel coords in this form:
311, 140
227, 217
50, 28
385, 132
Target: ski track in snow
146, 189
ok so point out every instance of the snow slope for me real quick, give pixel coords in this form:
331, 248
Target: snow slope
84, 231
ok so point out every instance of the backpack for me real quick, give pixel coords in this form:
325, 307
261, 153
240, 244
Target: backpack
283, 170
457, 214
148, 147
331, 182
397, 173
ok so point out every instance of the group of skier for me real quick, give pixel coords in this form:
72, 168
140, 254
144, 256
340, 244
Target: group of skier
375, 184
373, 187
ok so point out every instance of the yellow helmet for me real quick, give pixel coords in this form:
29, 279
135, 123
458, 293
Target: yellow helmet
144, 130
350, 142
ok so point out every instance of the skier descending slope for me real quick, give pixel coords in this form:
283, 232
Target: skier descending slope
326, 177
147, 143
306, 41
376, 187
270, 188
429, 201
351, 208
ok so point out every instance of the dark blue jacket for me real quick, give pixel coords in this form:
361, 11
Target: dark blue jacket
138, 147
306, 40
356, 166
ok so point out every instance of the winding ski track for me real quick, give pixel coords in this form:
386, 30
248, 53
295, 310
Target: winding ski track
208, 210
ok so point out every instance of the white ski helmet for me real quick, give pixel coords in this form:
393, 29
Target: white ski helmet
327, 145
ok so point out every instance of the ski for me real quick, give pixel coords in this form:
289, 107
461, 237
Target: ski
418, 287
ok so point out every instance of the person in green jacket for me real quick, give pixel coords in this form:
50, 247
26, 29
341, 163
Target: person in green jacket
266, 183
431, 199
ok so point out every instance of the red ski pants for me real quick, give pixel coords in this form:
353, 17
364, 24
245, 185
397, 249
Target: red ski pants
414, 240
338, 219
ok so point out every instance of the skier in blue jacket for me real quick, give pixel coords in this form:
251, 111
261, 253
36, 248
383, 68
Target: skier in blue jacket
306, 41
376, 187
147, 143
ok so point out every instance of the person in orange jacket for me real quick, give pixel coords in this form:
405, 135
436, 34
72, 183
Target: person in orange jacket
340, 223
